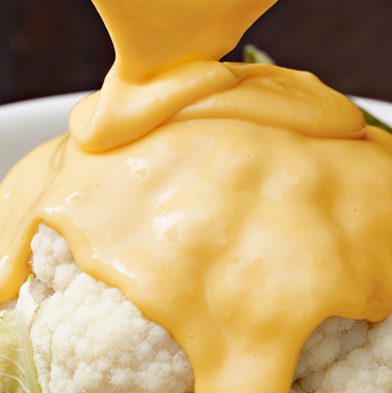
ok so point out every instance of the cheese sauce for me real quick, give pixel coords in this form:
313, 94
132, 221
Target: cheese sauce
238, 206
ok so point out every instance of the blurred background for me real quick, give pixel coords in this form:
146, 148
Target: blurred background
59, 46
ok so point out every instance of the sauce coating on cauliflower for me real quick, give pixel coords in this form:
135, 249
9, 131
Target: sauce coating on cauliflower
88, 337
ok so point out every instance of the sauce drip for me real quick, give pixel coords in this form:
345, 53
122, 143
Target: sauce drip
237, 206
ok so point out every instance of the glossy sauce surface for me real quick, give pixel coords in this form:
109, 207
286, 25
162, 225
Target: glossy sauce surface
237, 206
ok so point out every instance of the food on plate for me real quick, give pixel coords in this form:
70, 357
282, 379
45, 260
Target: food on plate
205, 226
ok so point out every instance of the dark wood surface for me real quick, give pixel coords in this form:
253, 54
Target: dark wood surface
58, 46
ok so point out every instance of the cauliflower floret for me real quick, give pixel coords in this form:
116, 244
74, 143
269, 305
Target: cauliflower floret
346, 357
88, 337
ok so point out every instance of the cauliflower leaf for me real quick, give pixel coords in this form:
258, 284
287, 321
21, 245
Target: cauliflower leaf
18, 373
253, 55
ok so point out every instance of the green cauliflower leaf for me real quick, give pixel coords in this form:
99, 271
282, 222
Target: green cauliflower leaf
18, 373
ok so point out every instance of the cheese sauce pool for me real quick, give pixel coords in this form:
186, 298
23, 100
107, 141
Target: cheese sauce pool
238, 206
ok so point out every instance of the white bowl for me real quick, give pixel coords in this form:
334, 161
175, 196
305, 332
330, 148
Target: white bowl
26, 124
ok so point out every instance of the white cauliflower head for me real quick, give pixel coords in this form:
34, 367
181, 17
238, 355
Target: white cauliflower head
88, 337
347, 357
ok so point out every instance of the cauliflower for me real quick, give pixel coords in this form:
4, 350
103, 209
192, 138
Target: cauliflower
345, 356
87, 337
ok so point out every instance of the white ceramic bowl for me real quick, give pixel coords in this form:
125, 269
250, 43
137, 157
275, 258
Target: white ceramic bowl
26, 124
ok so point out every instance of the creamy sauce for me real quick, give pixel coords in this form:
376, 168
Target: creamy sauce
237, 206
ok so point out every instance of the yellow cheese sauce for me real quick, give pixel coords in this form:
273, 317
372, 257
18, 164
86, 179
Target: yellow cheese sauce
237, 206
